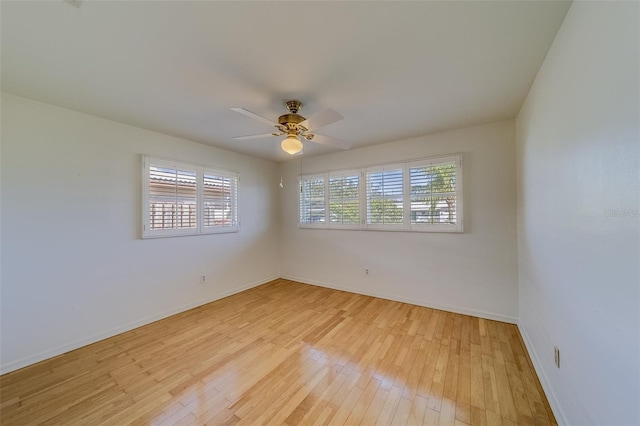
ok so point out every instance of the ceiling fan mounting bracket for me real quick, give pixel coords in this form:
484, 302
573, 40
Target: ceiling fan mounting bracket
293, 106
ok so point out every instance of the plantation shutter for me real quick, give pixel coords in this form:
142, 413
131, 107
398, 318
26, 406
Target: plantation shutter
172, 196
187, 199
435, 193
344, 198
423, 195
385, 198
312, 200
219, 195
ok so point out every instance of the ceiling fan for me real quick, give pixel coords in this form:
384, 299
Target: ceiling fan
295, 127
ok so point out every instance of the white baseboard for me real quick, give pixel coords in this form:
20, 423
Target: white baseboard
32, 359
412, 301
544, 381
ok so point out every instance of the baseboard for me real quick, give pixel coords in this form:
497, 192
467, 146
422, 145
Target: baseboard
32, 359
412, 301
544, 381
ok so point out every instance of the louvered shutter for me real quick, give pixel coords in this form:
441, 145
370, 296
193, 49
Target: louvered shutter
423, 195
219, 200
435, 194
172, 196
385, 196
344, 199
313, 207
187, 199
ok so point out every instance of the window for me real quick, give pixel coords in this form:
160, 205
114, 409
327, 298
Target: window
421, 195
219, 199
172, 197
186, 199
433, 193
312, 200
344, 199
385, 193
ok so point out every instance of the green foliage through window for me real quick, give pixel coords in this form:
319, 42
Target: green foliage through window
344, 199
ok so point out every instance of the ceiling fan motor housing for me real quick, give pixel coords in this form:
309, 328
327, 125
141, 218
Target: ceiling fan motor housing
290, 118
290, 123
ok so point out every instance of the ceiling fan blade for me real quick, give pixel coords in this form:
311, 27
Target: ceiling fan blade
254, 116
321, 119
326, 140
244, 138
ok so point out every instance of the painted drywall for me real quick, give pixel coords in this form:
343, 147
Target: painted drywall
74, 268
474, 272
578, 225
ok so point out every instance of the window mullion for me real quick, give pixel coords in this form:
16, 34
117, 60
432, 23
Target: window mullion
406, 196
327, 217
363, 199
199, 199
235, 181
145, 196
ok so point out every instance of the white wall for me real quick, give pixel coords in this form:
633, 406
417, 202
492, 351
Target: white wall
74, 269
474, 272
578, 155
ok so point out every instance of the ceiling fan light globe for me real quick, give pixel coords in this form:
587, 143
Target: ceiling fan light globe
291, 145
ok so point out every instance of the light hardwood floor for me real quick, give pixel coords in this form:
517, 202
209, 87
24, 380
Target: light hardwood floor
289, 353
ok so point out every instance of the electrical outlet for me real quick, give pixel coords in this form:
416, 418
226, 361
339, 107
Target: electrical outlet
556, 354
366, 271
203, 279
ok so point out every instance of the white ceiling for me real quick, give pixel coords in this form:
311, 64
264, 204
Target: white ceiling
393, 69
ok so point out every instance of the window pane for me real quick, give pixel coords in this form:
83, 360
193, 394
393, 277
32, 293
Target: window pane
385, 197
312, 202
172, 198
219, 195
433, 189
344, 199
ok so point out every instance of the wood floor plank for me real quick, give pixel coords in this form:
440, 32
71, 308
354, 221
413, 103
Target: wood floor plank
417, 411
321, 403
363, 402
389, 407
375, 407
463, 397
293, 354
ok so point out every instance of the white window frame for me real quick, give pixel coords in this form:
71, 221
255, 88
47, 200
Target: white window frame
363, 183
199, 170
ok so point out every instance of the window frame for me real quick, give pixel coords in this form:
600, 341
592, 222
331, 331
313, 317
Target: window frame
200, 171
363, 188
